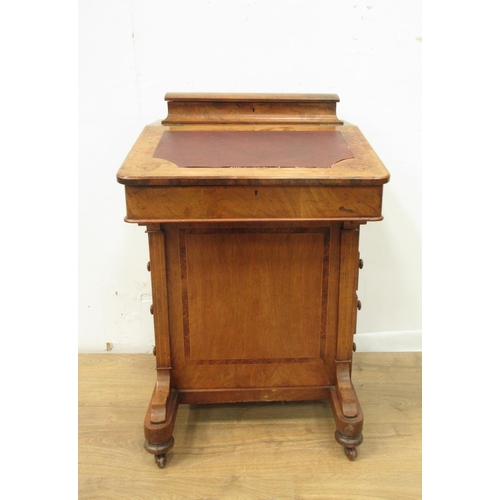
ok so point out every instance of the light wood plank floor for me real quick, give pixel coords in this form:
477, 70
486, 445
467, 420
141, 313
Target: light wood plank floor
250, 451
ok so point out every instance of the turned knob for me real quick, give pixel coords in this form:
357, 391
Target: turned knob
154, 350
359, 305
149, 266
361, 264
354, 346
151, 308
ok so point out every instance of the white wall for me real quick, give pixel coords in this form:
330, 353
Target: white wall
131, 52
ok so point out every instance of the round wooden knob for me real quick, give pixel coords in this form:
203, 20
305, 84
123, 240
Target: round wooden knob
361, 264
154, 351
354, 346
151, 308
359, 305
149, 266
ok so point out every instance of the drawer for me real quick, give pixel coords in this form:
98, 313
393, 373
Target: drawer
163, 203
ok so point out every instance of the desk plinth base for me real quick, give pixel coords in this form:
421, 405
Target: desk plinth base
159, 435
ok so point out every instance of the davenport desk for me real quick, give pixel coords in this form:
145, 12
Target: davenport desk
252, 204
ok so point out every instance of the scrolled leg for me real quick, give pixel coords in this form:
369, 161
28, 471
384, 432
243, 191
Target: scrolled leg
160, 419
347, 412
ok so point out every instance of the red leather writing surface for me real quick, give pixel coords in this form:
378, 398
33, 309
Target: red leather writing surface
253, 148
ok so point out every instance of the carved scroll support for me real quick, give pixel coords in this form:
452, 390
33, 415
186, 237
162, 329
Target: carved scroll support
160, 397
345, 391
346, 410
160, 418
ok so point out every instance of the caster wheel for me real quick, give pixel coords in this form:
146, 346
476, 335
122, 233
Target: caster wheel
161, 460
351, 453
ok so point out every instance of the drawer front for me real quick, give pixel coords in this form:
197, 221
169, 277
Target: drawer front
164, 203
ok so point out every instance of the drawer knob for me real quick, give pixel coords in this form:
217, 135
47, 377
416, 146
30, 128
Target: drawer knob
359, 305
354, 346
154, 350
149, 266
151, 308
361, 264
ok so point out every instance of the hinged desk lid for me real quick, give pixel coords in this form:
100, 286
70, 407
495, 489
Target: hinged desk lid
220, 139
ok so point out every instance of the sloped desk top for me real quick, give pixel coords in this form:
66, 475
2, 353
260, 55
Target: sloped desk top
313, 146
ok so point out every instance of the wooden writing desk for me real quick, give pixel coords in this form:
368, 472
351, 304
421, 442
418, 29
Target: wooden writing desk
252, 205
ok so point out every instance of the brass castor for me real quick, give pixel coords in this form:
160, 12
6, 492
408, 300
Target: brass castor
160, 451
161, 460
349, 444
350, 453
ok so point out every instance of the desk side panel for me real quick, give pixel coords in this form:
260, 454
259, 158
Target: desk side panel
253, 307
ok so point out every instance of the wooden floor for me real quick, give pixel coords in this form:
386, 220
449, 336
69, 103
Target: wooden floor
250, 451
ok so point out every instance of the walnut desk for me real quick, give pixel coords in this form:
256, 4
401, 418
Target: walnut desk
252, 204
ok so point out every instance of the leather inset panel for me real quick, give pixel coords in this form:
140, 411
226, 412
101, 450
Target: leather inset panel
320, 149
